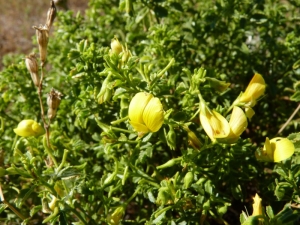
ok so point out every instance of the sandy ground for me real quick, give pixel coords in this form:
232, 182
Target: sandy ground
17, 18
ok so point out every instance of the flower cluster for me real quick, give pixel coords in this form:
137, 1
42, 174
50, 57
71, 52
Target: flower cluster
218, 128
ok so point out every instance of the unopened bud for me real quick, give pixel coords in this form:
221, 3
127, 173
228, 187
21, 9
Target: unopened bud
116, 216
218, 85
192, 138
163, 196
51, 14
188, 179
32, 66
42, 35
105, 91
171, 138
116, 46
53, 101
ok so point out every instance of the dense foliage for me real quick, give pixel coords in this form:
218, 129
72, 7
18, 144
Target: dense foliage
99, 170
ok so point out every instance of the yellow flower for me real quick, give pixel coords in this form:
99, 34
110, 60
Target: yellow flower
257, 207
238, 124
276, 150
27, 128
254, 91
146, 113
214, 124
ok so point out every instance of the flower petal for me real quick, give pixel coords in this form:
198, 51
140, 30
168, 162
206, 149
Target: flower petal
137, 106
255, 90
283, 148
214, 124
153, 115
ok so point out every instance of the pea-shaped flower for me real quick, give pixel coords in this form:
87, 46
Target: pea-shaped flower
146, 113
238, 124
255, 89
27, 128
214, 124
276, 150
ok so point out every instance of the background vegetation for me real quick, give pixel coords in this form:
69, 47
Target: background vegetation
105, 173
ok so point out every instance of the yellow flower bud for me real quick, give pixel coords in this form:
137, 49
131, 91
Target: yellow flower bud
238, 124
257, 207
145, 113
116, 47
256, 88
214, 124
27, 128
276, 150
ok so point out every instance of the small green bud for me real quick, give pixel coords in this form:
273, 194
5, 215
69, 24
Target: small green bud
188, 179
169, 163
222, 210
105, 91
171, 138
116, 216
219, 86
164, 196
116, 46
126, 55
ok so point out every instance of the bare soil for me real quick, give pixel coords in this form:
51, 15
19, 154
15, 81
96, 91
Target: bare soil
17, 18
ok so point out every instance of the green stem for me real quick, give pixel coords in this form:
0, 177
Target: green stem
121, 130
77, 214
133, 196
161, 73
196, 113
119, 120
49, 151
162, 210
63, 161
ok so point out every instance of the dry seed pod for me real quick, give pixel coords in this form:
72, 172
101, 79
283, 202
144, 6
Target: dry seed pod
51, 14
53, 101
42, 35
32, 66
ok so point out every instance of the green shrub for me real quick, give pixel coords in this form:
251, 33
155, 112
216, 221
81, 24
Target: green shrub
92, 167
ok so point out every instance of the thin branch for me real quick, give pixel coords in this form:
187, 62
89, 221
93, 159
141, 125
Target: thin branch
289, 120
